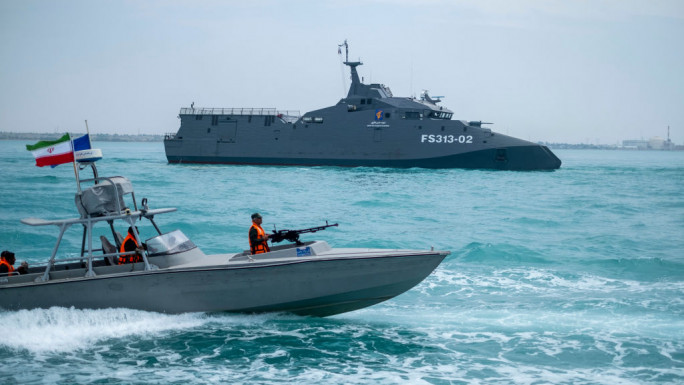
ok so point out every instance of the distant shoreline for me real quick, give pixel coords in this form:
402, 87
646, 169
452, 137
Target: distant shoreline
93, 137
583, 146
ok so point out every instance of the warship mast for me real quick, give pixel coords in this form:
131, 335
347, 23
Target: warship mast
352, 65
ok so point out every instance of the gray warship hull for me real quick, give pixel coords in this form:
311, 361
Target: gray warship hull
242, 137
369, 127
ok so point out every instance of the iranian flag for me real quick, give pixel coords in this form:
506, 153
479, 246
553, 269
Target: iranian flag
52, 152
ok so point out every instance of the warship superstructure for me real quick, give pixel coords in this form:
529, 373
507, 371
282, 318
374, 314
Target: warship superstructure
369, 127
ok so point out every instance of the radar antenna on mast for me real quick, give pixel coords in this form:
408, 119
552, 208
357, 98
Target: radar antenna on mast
346, 50
356, 82
346, 55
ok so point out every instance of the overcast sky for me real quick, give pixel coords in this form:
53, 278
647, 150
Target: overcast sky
594, 71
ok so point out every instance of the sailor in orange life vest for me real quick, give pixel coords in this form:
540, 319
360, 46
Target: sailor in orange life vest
130, 244
257, 236
7, 260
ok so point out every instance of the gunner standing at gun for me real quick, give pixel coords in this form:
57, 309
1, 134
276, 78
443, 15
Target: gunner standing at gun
257, 237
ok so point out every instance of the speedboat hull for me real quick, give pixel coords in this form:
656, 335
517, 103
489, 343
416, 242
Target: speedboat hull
338, 281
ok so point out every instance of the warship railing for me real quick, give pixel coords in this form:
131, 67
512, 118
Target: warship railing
238, 111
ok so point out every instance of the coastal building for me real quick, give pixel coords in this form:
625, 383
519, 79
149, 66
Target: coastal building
656, 143
635, 144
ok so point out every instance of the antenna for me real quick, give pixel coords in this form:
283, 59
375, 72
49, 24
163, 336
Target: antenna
413, 94
339, 52
346, 49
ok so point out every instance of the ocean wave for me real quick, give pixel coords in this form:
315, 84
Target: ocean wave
489, 253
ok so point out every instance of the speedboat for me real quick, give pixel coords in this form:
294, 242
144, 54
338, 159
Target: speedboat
175, 276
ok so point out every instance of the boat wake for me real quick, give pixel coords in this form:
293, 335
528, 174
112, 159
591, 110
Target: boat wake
60, 329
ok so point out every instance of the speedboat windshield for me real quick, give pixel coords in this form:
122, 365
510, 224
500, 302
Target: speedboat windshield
170, 243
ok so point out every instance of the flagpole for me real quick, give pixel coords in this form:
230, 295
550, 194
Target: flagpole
78, 181
88, 132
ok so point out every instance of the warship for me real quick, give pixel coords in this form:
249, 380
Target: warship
369, 127
175, 276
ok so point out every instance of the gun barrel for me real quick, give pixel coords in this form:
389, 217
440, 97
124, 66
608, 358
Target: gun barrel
314, 229
293, 235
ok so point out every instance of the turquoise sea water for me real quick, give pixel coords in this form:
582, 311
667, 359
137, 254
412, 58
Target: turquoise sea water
568, 277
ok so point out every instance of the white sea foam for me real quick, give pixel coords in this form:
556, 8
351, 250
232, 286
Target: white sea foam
62, 330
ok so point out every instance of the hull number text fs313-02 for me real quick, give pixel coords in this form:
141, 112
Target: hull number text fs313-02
463, 139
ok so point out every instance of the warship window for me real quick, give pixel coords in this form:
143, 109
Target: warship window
387, 115
411, 115
363, 101
214, 120
369, 101
198, 117
208, 130
249, 119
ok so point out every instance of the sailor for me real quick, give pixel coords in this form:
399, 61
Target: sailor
130, 243
7, 260
257, 237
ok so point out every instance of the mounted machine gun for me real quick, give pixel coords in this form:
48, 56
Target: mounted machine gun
293, 235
